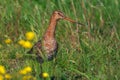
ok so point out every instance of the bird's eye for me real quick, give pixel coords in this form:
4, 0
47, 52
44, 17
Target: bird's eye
61, 14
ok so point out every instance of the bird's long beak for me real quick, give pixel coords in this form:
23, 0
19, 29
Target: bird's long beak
68, 19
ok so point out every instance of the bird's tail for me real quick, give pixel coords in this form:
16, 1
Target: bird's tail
30, 51
36, 45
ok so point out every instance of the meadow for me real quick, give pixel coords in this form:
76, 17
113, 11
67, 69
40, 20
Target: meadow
90, 52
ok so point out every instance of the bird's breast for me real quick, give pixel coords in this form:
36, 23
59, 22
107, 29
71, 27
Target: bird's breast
49, 45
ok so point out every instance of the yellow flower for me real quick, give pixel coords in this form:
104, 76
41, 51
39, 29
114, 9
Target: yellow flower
22, 72
28, 69
25, 70
1, 77
8, 76
45, 75
2, 69
27, 44
21, 42
8, 41
30, 35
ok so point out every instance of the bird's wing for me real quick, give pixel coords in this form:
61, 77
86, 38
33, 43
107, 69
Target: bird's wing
36, 49
36, 46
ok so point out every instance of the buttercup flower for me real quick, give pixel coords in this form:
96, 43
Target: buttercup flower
8, 41
25, 70
21, 42
27, 44
45, 75
1, 77
2, 69
30, 35
28, 69
8, 76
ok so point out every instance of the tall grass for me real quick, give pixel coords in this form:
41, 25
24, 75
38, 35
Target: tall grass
88, 52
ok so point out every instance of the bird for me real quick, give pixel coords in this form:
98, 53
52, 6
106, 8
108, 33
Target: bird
46, 48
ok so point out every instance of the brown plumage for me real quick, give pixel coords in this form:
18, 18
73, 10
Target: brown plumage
46, 47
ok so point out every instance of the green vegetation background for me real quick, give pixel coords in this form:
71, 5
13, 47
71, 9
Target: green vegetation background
90, 52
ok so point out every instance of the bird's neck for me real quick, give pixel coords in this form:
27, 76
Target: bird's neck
50, 32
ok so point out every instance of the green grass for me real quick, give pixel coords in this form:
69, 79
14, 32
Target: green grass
90, 52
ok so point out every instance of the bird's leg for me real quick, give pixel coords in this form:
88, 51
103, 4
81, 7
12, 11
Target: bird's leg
39, 59
54, 69
41, 70
40, 56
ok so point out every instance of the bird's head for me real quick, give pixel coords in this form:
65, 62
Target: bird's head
60, 15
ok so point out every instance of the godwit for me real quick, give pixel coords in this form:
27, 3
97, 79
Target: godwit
47, 46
